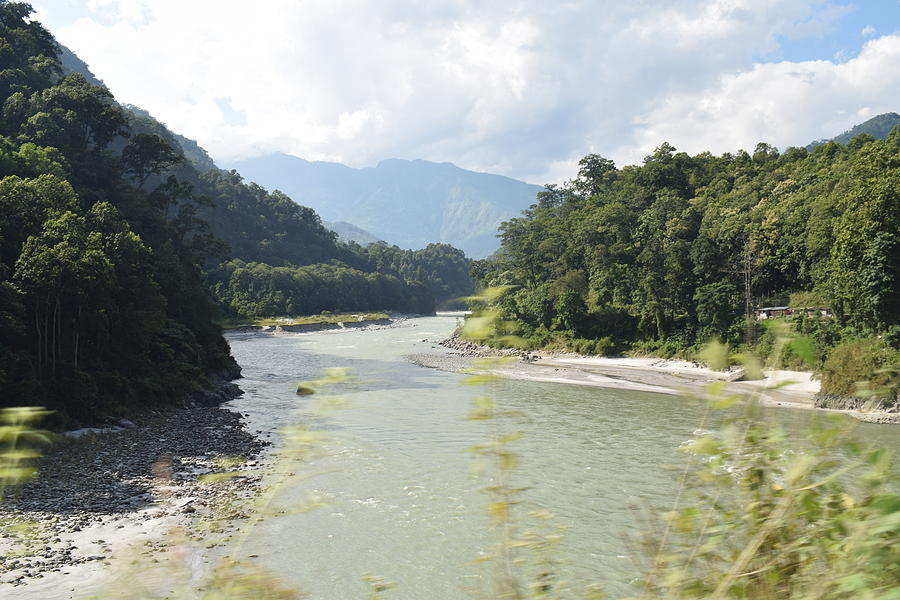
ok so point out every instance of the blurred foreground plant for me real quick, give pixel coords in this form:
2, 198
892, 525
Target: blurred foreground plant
523, 560
18, 441
232, 578
762, 517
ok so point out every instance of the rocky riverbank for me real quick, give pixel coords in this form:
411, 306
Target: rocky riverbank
859, 408
100, 493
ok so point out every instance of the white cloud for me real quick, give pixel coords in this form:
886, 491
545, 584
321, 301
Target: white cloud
520, 87
779, 103
868, 31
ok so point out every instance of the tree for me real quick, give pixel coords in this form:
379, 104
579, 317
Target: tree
595, 174
60, 267
148, 154
716, 306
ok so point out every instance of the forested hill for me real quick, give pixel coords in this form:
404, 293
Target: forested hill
281, 259
878, 127
102, 304
408, 203
111, 242
662, 257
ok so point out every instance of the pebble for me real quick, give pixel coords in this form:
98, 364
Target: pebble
100, 479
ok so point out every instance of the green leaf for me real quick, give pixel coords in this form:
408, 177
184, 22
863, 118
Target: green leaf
715, 355
805, 348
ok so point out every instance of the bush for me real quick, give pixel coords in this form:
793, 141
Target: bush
600, 347
765, 518
868, 360
781, 348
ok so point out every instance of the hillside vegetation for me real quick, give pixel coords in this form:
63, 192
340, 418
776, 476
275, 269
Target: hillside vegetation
100, 290
661, 257
113, 230
879, 127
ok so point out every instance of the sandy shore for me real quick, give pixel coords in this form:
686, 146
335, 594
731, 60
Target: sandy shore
643, 374
795, 388
397, 320
792, 389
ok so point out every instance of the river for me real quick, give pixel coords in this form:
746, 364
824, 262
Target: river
394, 493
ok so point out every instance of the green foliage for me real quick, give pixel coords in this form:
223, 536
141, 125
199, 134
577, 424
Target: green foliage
19, 446
257, 289
99, 285
879, 127
443, 269
106, 231
865, 364
148, 154
664, 256
766, 518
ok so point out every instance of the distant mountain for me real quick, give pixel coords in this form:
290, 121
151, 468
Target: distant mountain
878, 127
348, 232
407, 203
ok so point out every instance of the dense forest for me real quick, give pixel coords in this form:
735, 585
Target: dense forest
100, 289
113, 230
370, 278
662, 257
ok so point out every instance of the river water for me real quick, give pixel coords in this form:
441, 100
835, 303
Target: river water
394, 493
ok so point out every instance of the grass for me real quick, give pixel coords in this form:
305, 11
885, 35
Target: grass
303, 320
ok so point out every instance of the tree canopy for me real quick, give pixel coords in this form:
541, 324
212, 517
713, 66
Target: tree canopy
664, 256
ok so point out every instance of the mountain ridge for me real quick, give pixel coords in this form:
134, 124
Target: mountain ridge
348, 232
878, 127
410, 203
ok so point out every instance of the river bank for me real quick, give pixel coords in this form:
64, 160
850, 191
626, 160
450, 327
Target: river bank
103, 499
153, 485
395, 468
779, 388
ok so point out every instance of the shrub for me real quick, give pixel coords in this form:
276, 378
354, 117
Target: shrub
870, 361
762, 518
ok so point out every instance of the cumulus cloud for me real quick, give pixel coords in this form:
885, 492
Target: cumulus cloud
519, 87
779, 103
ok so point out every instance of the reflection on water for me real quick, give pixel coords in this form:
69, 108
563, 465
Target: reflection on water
402, 501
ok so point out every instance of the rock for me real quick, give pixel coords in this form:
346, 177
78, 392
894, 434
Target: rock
735, 375
98, 479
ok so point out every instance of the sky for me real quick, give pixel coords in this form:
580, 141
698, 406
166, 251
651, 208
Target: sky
520, 88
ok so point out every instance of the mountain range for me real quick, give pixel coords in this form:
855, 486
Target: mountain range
348, 232
410, 203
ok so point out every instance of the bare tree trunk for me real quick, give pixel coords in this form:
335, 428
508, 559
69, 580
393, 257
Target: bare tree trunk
40, 338
55, 325
77, 333
748, 336
48, 340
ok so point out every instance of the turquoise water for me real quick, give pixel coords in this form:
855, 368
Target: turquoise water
400, 496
